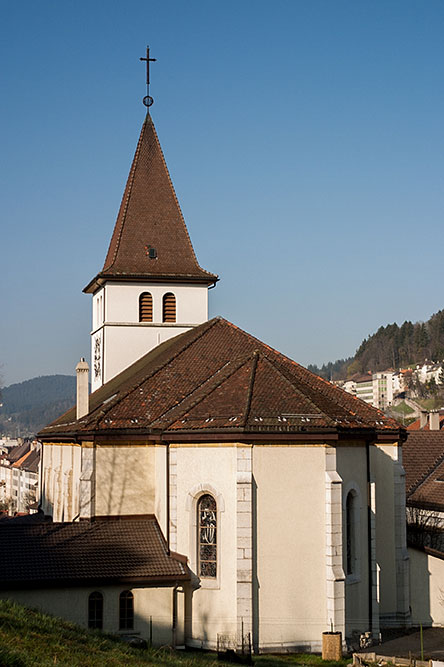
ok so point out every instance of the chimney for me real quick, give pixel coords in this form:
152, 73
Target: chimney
434, 420
82, 372
423, 419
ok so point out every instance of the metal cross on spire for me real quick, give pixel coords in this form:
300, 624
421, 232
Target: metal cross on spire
147, 100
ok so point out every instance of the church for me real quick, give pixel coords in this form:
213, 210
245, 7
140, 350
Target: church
210, 488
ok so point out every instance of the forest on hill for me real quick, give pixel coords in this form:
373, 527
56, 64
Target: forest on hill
30, 405
391, 346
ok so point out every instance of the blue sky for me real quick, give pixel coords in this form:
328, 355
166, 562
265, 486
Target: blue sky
304, 140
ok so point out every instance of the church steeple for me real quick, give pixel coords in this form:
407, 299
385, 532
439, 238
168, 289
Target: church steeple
150, 238
151, 286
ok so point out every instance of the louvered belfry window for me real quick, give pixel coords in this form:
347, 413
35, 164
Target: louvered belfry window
145, 307
207, 536
169, 307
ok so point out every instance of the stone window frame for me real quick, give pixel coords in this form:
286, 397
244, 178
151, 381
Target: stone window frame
352, 488
203, 528
191, 507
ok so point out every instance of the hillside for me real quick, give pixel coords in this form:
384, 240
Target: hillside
28, 637
391, 346
30, 405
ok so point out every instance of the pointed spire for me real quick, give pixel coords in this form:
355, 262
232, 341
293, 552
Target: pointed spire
150, 238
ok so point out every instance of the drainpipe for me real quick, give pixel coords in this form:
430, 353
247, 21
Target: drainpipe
41, 478
369, 538
168, 496
174, 625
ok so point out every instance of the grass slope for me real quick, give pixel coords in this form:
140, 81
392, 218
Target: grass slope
28, 637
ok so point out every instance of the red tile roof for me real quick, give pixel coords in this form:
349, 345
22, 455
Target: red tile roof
216, 378
421, 454
429, 494
17, 452
29, 461
415, 426
102, 551
150, 217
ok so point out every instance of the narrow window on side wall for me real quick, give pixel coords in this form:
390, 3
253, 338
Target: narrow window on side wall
207, 536
95, 611
126, 611
350, 532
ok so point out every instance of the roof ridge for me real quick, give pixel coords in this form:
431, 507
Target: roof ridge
325, 384
256, 354
125, 200
21, 460
159, 367
289, 381
175, 196
430, 470
237, 365
99, 412
150, 213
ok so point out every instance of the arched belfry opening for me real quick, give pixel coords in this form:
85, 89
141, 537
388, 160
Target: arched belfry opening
169, 307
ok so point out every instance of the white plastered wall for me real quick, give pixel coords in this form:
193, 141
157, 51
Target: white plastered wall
352, 467
61, 467
116, 480
195, 470
72, 605
426, 588
290, 546
391, 551
123, 339
125, 480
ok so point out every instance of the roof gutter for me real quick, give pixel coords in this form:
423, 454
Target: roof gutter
101, 278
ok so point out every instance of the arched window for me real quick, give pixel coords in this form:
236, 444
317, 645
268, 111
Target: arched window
126, 611
350, 522
169, 308
145, 307
95, 611
207, 536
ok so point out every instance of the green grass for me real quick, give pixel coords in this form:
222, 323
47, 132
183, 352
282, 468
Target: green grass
402, 409
29, 638
434, 403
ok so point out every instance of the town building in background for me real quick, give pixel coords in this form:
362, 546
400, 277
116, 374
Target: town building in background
19, 478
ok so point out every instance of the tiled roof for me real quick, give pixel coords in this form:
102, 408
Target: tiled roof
421, 454
28, 462
217, 378
103, 551
150, 217
430, 493
18, 452
416, 425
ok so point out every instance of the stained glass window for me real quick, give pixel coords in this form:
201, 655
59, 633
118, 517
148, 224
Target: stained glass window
95, 611
126, 611
207, 527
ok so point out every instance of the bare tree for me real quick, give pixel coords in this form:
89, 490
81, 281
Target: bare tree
425, 528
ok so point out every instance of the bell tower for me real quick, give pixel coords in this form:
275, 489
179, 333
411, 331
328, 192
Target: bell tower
151, 286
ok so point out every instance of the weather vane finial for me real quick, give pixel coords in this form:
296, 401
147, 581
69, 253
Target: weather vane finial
147, 100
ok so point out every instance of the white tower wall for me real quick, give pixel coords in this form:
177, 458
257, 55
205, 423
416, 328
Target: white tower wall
118, 339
